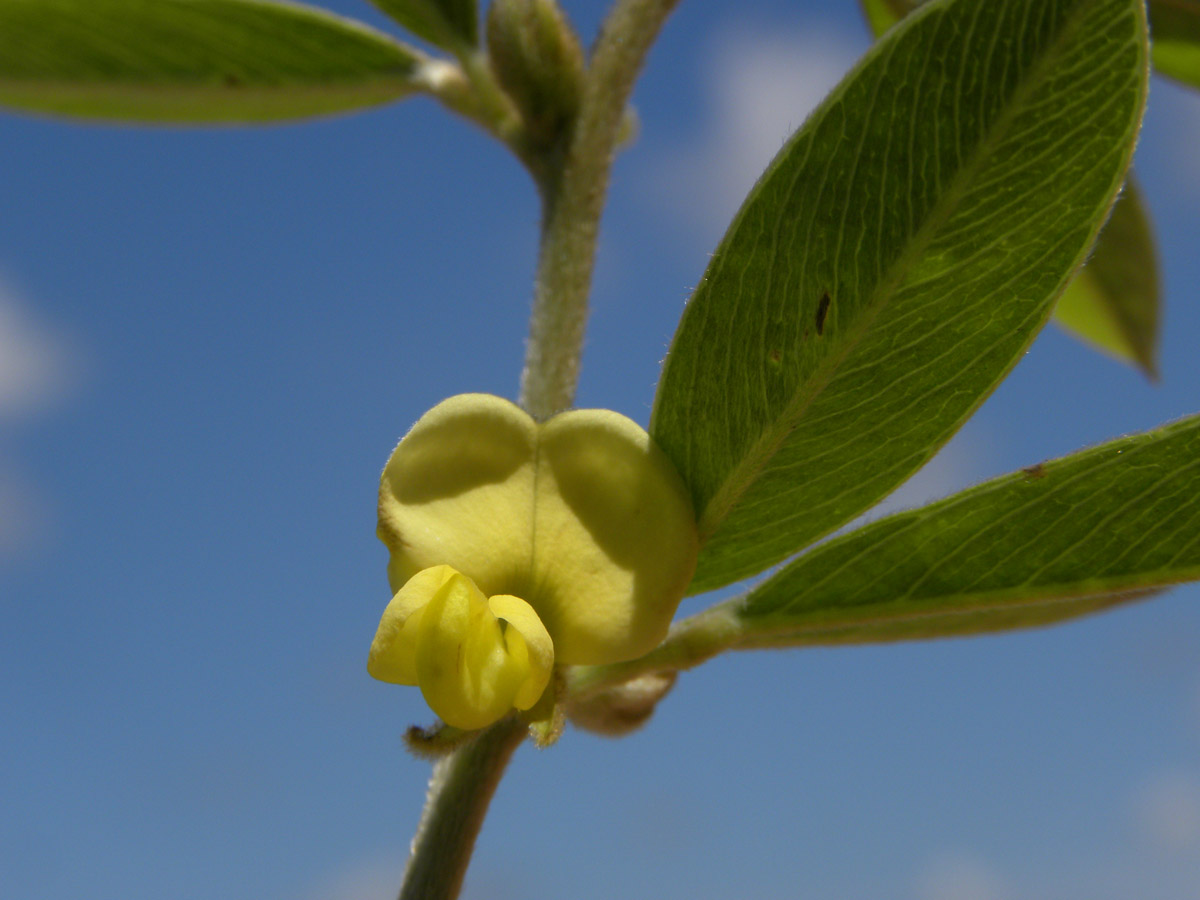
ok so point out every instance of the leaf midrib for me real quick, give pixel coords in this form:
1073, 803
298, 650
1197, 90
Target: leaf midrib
1003, 602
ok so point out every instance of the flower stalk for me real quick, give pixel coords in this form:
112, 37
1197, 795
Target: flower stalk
459, 793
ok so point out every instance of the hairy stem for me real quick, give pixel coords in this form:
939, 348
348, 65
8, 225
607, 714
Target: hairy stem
459, 793
573, 203
689, 643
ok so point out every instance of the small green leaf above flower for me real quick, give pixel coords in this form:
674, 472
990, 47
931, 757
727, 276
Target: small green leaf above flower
195, 61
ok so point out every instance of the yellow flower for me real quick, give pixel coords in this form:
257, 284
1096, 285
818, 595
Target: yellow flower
474, 657
517, 545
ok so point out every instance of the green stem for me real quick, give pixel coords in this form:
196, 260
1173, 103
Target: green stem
459, 793
573, 203
469, 89
690, 642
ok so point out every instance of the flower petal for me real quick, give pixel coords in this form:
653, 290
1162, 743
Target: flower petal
458, 491
474, 658
393, 655
615, 539
528, 642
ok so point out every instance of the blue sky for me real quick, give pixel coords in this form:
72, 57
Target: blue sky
209, 343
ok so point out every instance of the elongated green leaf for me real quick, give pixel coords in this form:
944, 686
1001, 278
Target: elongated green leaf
453, 24
193, 60
1050, 542
893, 263
1114, 301
1175, 27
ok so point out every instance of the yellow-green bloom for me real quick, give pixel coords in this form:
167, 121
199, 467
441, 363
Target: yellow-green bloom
516, 545
475, 657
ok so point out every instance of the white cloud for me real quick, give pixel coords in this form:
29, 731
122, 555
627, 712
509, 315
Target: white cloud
959, 877
35, 370
762, 84
1167, 811
957, 466
367, 879
1161, 863
965, 461
1176, 105
35, 366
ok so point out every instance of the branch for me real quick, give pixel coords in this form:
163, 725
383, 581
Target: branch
574, 202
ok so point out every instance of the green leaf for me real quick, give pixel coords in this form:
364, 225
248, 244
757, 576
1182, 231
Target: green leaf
453, 24
892, 265
1054, 541
193, 61
1175, 27
883, 14
1114, 301
1113, 304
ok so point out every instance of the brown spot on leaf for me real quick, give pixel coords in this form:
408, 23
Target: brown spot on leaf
1035, 471
822, 312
